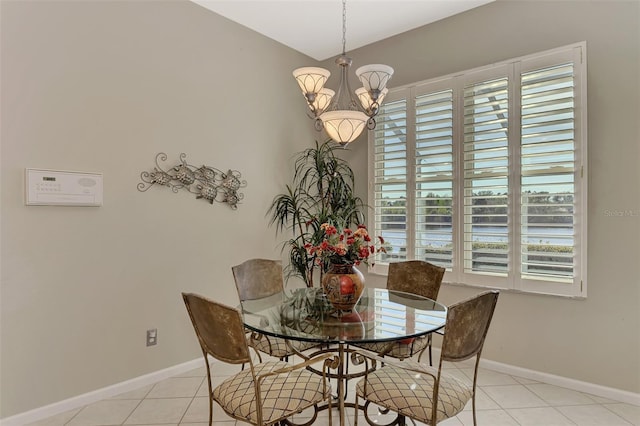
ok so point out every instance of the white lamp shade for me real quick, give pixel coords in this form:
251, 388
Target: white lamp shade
311, 79
323, 99
366, 100
344, 126
374, 76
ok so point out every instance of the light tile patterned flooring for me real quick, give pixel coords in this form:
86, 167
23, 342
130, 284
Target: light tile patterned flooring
503, 400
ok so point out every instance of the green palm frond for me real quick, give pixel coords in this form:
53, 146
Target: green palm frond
322, 191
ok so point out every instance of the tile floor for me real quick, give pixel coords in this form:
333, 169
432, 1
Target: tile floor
502, 400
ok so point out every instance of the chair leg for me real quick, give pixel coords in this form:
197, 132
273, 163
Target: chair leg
210, 411
355, 414
475, 383
473, 406
206, 362
428, 346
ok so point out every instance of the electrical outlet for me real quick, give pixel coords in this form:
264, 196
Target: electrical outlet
152, 337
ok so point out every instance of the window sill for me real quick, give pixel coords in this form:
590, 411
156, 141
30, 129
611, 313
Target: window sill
514, 291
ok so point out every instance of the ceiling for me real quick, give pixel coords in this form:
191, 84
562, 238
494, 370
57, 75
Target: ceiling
314, 27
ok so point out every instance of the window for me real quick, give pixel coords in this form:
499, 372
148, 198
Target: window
482, 172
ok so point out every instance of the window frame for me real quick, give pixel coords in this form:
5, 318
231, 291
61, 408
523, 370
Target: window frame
513, 68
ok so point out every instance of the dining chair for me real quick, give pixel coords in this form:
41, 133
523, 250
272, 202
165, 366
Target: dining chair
265, 393
429, 394
417, 277
257, 279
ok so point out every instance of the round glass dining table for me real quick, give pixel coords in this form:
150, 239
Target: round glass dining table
381, 315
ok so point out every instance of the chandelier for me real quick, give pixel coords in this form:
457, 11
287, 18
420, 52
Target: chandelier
342, 117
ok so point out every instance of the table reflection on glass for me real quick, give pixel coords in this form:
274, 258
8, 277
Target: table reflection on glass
381, 315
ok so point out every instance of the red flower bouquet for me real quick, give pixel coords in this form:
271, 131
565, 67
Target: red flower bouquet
344, 247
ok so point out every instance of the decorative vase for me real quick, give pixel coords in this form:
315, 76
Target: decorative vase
343, 285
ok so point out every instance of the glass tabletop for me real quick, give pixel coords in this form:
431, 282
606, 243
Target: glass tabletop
381, 315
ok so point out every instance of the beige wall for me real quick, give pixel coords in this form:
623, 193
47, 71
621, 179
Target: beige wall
595, 340
103, 87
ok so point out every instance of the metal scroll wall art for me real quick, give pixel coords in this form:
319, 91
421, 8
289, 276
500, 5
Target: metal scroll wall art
206, 182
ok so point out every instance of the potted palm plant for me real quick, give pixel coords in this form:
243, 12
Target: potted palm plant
321, 192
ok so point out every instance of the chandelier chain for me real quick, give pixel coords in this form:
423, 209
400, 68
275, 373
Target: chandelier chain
344, 26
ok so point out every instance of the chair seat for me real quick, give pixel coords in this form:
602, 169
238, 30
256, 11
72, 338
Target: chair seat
401, 350
411, 394
281, 395
276, 346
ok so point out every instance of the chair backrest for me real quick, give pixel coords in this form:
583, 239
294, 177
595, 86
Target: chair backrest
467, 326
219, 329
415, 276
258, 278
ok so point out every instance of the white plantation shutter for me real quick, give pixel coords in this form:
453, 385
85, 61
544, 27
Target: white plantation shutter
434, 178
390, 179
486, 177
482, 172
552, 156
547, 168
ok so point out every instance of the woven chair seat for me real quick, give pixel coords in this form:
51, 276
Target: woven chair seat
411, 394
400, 350
281, 395
276, 346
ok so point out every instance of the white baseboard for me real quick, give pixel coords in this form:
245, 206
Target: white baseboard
565, 382
99, 394
151, 378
